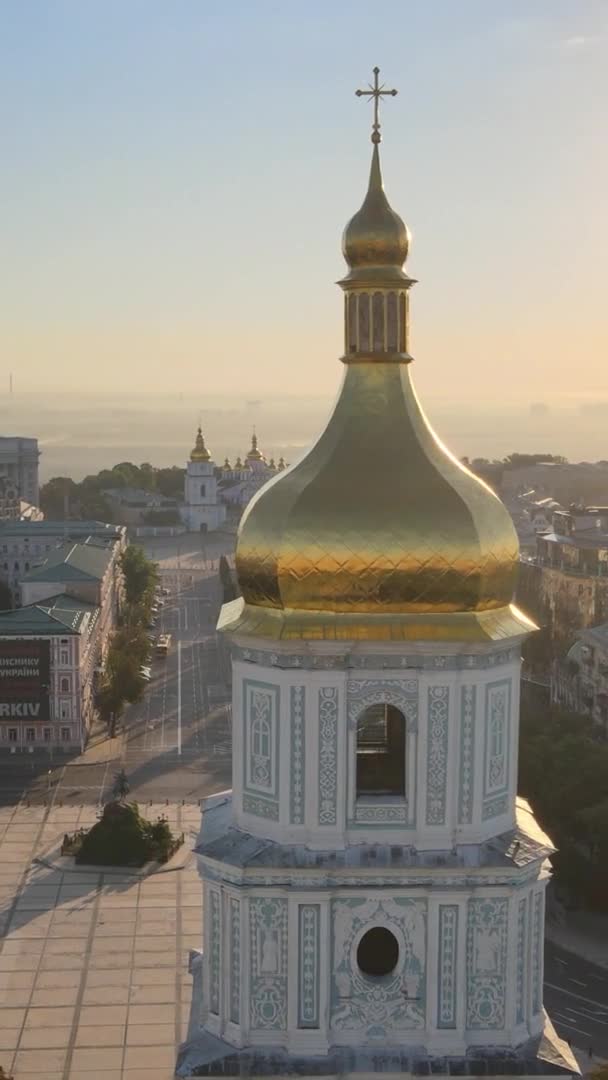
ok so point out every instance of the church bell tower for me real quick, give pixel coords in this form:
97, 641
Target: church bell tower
374, 892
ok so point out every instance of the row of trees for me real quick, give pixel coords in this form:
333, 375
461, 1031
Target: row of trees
227, 581
129, 649
63, 498
563, 770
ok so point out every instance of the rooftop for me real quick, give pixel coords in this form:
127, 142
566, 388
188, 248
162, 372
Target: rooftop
225, 843
58, 528
73, 562
57, 615
587, 538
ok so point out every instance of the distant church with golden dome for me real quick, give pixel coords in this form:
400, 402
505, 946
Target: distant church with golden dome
202, 510
374, 890
213, 493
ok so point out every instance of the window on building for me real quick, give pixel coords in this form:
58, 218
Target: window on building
30, 734
378, 952
47, 734
65, 710
12, 734
66, 734
381, 751
63, 659
203, 486
27, 566
64, 685
16, 565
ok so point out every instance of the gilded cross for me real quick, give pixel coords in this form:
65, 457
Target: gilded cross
376, 92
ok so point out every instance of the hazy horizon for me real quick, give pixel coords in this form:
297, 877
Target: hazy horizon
176, 178
81, 434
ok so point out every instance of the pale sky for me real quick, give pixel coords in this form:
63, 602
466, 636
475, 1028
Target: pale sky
175, 176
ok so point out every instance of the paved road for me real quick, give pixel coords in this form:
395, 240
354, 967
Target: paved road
171, 752
576, 998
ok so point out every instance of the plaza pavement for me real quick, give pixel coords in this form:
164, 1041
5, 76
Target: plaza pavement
94, 980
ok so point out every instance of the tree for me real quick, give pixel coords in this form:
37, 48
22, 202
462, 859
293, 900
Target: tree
139, 573
170, 482
111, 705
147, 476
229, 589
58, 496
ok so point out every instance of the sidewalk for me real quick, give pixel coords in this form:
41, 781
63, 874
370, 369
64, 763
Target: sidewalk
94, 976
100, 748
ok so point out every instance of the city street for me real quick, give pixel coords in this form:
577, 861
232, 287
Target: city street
576, 998
177, 740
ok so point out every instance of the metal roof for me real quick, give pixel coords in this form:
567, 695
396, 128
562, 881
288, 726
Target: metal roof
57, 615
73, 562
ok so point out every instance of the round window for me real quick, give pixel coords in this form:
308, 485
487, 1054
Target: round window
378, 952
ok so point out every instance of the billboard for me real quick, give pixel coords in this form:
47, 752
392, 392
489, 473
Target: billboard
25, 676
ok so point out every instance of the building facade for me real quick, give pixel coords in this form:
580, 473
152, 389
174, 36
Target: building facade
24, 545
48, 655
19, 464
89, 572
374, 894
579, 681
203, 511
241, 481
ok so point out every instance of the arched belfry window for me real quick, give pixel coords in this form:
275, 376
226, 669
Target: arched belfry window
203, 490
381, 751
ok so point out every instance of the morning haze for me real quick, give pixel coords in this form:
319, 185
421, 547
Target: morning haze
175, 181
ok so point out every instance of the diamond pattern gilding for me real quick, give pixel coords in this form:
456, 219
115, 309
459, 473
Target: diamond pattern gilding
417, 533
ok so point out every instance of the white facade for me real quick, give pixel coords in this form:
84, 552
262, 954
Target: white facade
301, 865
202, 511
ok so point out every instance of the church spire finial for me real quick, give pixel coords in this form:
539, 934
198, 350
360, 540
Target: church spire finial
376, 92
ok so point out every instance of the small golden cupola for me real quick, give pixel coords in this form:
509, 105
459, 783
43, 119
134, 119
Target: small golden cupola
200, 451
378, 532
255, 454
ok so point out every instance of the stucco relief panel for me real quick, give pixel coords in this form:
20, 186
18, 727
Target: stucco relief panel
378, 1006
268, 958
486, 951
261, 748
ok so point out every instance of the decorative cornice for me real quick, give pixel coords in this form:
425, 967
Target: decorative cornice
347, 661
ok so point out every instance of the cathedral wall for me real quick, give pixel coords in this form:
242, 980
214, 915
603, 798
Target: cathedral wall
282, 968
295, 733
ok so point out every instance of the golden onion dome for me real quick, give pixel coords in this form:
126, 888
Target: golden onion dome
200, 451
376, 241
238, 463
227, 467
378, 532
255, 454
